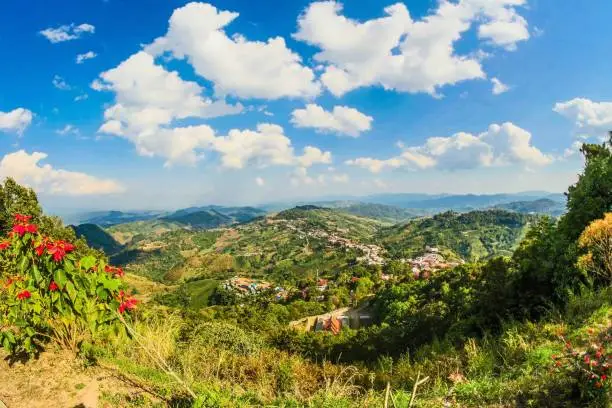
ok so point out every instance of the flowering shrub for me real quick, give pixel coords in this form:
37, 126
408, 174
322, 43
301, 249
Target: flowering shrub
47, 293
590, 364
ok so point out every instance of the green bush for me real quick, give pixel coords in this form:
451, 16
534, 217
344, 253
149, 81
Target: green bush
49, 293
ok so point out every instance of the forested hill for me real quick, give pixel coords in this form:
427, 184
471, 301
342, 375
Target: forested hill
98, 238
541, 206
471, 236
381, 212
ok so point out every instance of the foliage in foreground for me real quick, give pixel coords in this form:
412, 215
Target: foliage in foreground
48, 292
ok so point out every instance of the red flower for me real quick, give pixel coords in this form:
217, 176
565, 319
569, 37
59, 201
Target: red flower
587, 359
40, 248
53, 286
128, 304
22, 218
603, 377
24, 295
117, 271
59, 249
4, 245
19, 229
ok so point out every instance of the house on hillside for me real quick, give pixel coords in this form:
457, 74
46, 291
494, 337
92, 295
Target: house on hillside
322, 284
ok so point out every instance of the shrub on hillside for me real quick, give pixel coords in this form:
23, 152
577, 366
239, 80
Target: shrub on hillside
48, 293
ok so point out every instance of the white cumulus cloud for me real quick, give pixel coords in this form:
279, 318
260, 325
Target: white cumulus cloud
148, 99
265, 146
260, 181
67, 32
399, 53
500, 145
341, 120
16, 120
588, 116
26, 169
235, 65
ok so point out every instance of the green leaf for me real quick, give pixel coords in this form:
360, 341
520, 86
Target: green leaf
24, 264
72, 293
37, 276
111, 284
60, 278
102, 293
88, 262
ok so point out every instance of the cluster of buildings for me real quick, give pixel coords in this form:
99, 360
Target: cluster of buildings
431, 261
248, 287
372, 254
335, 321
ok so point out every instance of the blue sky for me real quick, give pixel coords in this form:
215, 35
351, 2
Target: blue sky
172, 104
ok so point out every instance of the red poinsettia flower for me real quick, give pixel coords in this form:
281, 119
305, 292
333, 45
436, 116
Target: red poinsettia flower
59, 249
19, 229
24, 295
22, 218
116, 271
603, 377
4, 245
53, 286
128, 304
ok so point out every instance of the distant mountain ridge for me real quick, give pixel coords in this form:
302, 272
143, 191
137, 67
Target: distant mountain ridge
108, 218
198, 217
385, 207
424, 204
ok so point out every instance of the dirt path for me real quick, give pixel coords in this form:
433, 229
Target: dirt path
57, 379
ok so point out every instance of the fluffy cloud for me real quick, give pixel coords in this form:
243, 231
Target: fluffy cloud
499, 87
376, 165
342, 120
260, 181
500, 145
236, 66
399, 53
314, 155
589, 116
81, 58
148, 100
26, 169
16, 120
67, 32
267, 145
